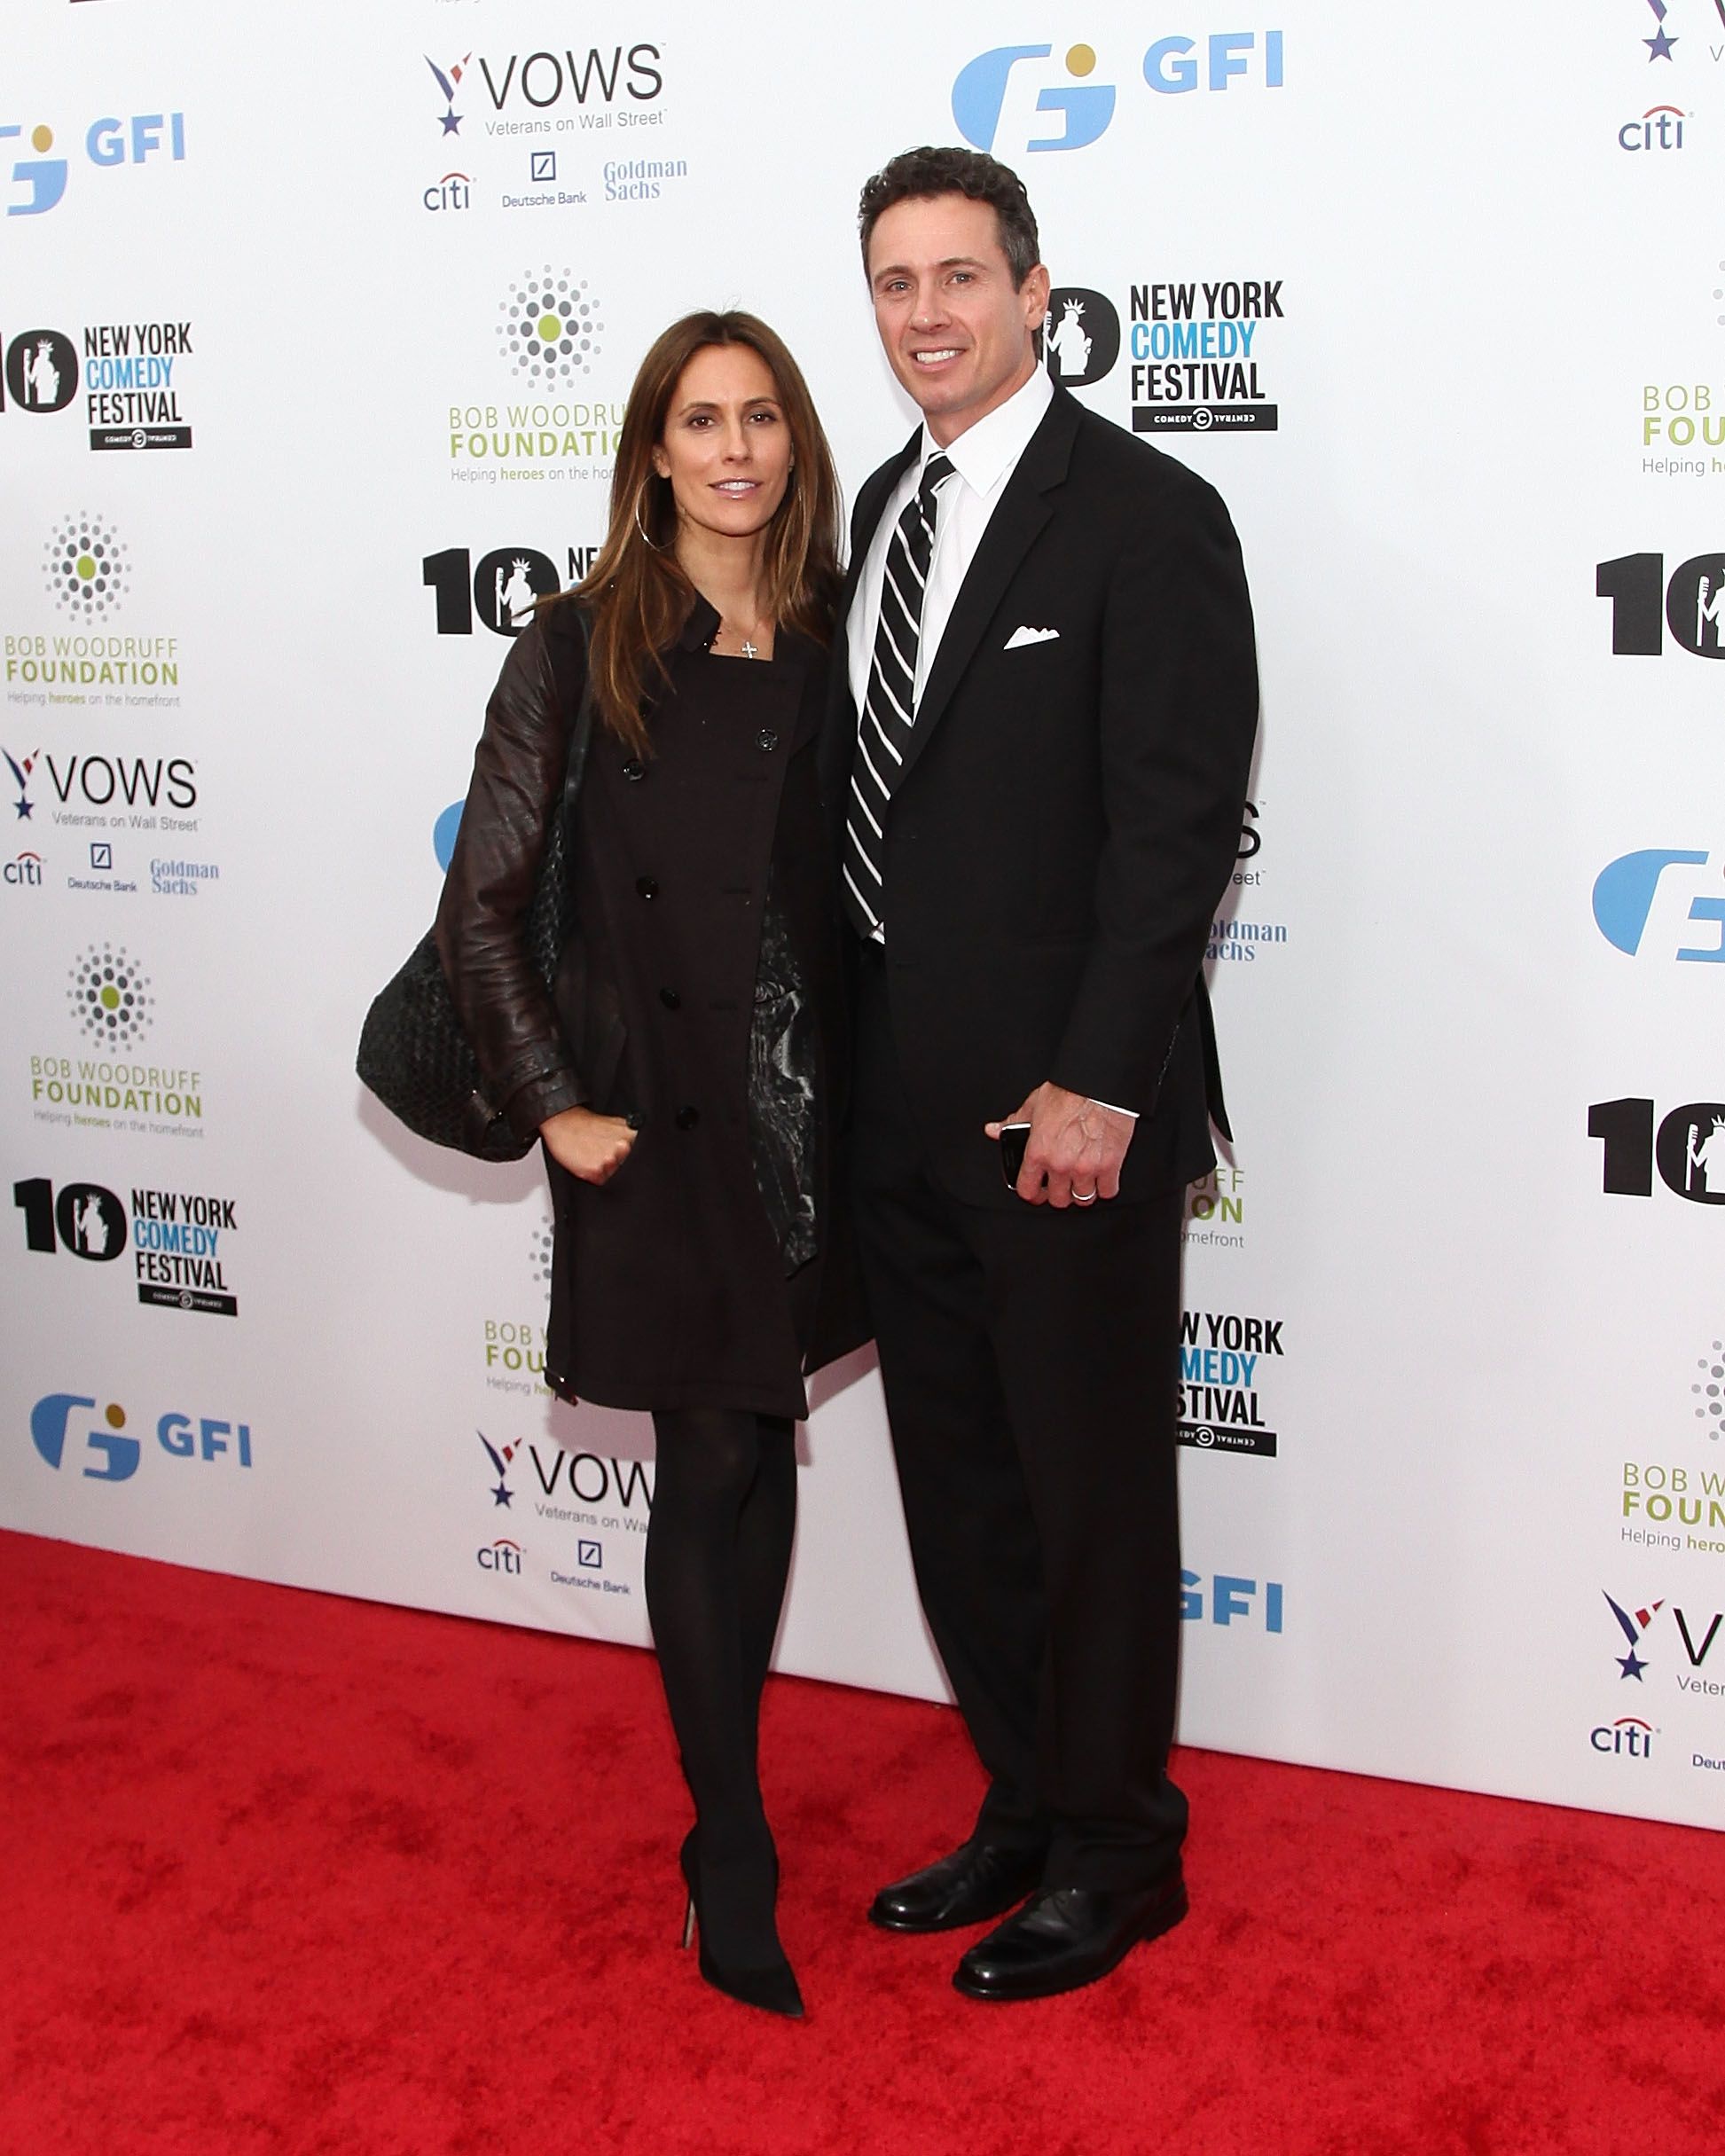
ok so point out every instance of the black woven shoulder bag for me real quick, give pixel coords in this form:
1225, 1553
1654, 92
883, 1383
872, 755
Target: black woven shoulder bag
412, 1054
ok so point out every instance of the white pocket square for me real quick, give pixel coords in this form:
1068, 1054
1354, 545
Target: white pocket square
1019, 637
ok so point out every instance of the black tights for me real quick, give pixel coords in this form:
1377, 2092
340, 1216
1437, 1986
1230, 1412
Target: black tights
717, 1553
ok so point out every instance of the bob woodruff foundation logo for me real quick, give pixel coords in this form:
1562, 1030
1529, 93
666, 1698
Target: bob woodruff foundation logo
110, 995
549, 328
85, 563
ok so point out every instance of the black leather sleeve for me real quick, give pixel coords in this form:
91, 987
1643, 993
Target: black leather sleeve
504, 1007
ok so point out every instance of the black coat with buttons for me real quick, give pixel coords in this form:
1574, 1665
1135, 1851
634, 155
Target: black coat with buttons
668, 1289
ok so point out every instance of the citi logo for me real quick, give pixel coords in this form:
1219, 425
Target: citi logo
454, 191
503, 1556
1173, 67
25, 873
1625, 893
108, 1450
1659, 127
1629, 1738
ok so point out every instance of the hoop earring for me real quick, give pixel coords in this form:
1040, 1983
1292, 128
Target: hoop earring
655, 545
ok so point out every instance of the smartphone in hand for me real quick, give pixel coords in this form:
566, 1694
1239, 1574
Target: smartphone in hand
1014, 1138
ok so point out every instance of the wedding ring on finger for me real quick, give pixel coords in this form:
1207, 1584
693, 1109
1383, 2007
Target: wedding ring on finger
1084, 1197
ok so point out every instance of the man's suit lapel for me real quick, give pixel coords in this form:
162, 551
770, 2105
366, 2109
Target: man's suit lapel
1022, 511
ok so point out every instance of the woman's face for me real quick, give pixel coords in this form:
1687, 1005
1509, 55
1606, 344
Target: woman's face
727, 446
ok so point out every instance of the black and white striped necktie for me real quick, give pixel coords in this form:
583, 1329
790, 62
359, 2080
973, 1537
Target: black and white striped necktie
890, 705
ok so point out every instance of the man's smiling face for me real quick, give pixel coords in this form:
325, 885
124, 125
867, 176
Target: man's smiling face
956, 335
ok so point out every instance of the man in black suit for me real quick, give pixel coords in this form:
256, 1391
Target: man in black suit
1036, 763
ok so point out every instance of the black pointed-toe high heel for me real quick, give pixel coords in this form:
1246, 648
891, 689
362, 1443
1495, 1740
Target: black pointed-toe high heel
773, 1987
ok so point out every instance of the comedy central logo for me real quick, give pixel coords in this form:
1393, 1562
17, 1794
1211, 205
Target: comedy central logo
110, 996
84, 566
549, 328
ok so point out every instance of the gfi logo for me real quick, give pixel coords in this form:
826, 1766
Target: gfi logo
1171, 67
1624, 893
106, 142
1232, 1600
55, 1415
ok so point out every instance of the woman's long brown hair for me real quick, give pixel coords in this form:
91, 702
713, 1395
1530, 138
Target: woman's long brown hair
638, 598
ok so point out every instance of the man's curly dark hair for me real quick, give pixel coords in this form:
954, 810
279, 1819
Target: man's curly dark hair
916, 175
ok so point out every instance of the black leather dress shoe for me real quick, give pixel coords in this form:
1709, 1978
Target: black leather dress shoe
1067, 1937
979, 1881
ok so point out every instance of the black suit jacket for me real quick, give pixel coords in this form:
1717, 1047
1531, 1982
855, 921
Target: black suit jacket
1069, 812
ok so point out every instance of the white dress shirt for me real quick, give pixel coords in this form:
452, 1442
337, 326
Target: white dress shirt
983, 457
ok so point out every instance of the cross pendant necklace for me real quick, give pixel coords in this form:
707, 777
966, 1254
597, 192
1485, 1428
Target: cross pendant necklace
749, 650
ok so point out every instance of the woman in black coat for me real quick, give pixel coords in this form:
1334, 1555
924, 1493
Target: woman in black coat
682, 1073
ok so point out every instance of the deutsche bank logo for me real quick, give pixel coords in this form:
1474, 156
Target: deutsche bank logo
1173, 66
1624, 893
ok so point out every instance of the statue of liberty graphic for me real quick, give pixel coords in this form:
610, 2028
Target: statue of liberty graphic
1706, 1157
42, 377
514, 597
1708, 610
1070, 341
93, 1228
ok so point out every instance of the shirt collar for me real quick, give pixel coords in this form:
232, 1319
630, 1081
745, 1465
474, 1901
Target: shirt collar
984, 454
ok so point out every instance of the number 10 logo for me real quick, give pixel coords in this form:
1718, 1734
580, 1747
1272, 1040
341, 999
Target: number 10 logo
1689, 1149
1694, 604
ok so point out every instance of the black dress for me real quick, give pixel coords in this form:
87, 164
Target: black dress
703, 887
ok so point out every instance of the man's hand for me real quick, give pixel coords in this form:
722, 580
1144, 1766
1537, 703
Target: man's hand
591, 1148
1075, 1150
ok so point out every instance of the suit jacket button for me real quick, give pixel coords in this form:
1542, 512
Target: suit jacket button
687, 1119
647, 886
670, 998
766, 739
634, 769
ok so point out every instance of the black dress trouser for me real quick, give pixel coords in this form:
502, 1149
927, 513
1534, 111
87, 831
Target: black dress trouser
1029, 1361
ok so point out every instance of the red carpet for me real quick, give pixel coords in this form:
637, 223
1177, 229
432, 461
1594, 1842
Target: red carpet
283, 1874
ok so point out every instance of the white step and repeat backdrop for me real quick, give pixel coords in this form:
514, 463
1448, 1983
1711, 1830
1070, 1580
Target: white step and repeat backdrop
1436, 299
